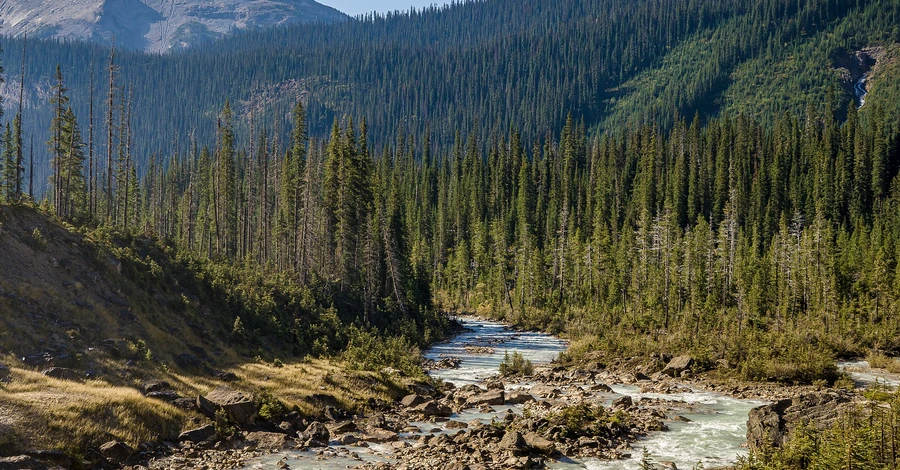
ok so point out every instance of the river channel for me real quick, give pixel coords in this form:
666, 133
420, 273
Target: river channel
713, 433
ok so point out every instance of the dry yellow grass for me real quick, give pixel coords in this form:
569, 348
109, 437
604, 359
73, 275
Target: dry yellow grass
878, 360
297, 383
48, 413
43, 412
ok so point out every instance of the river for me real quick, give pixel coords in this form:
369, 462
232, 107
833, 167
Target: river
713, 435
861, 91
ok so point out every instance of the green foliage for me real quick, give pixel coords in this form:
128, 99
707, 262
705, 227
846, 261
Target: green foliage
37, 239
369, 351
270, 408
647, 461
515, 365
222, 424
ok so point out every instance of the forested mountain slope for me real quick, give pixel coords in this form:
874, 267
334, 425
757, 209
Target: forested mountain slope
485, 66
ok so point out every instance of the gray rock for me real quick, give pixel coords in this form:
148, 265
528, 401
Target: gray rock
678, 365
185, 404
240, 408
155, 386
518, 398
167, 396
201, 434
433, 408
512, 440
771, 425
270, 440
316, 431
381, 435
22, 462
225, 376
623, 402
4, 372
55, 457
63, 374
601, 388
343, 428
116, 451
545, 391
413, 400
491, 398
539, 443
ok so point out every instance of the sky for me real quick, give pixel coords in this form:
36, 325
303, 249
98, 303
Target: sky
355, 7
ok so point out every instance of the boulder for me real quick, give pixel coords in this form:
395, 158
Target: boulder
116, 451
316, 431
167, 396
678, 365
771, 425
433, 408
4, 372
601, 388
201, 434
240, 408
270, 440
185, 404
539, 443
545, 391
343, 428
512, 440
413, 400
421, 388
518, 398
623, 402
62, 373
54, 457
225, 376
380, 435
21, 462
155, 386
490, 398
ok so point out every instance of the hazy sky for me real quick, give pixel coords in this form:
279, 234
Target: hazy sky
355, 7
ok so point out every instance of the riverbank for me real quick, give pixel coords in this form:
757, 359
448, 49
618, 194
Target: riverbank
556, 417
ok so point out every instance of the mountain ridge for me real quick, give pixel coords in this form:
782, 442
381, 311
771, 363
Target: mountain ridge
153, 25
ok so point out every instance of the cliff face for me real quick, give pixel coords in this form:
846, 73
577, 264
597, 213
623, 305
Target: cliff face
153, 25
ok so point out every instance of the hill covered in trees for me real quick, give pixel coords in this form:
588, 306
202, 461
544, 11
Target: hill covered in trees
485, 66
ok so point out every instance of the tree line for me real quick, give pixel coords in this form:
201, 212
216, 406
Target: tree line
484, 65
724, 229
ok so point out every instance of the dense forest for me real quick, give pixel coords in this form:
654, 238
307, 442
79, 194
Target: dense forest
487, 66
782, 240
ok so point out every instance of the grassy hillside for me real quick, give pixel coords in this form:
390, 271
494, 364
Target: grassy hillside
119, 311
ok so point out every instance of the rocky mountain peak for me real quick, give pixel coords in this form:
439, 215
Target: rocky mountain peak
153, 25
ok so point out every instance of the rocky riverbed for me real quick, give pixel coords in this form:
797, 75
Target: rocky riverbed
560, 418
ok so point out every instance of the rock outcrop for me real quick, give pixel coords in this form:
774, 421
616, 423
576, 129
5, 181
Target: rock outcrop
771, 425
239, 408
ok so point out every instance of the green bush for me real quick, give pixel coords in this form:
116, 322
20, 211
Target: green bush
270, 408
515, 365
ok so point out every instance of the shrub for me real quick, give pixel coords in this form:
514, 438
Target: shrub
878, 360
270, 408
223, 426
38, 240
515, 365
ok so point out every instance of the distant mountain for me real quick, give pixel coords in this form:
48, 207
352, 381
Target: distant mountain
153, 25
